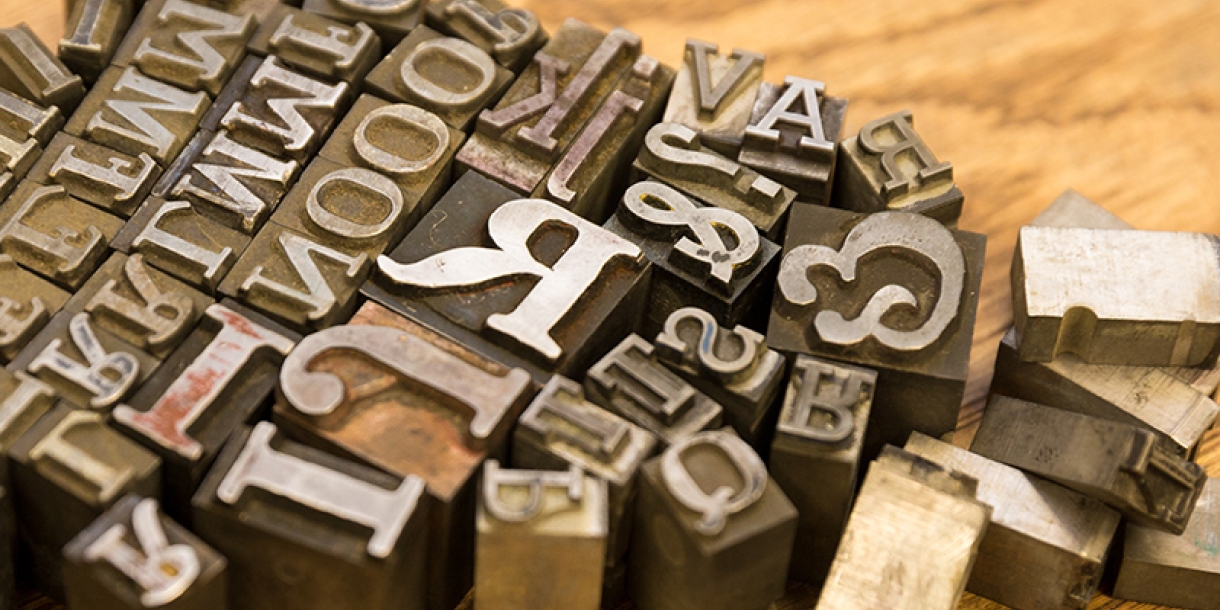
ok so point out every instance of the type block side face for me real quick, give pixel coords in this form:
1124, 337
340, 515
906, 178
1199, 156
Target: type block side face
1104, 312
913, 519
1132, 470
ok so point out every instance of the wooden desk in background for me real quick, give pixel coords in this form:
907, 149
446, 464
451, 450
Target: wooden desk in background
1119, 99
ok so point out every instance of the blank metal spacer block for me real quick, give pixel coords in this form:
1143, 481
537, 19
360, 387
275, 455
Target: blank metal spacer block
1109, 296
317, 46
67, 469
135, 557
1156, 399
715, 94
1059, 537
911, 540
304, 529
675, 154
29, 69
631, 382
894, 292
793, 137
816, 455
887, 166
1132, 470
1175, 570
93, 33
541, 539
734, 367
713, 530
510, 35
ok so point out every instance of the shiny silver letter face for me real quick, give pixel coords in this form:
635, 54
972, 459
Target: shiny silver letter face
162, 570
383, 511
142, 132
900, 140
559, 286
536, 480
202, 66
722, 503
179, 248
318, 298
390, 163
807, 114
914, 236
709, 97
232, 197
285, 127
162, 316
107, 376
343, 46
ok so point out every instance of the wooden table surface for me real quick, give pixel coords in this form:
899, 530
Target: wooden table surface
1119, 99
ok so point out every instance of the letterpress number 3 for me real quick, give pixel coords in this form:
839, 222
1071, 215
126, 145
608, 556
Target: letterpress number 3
899, 232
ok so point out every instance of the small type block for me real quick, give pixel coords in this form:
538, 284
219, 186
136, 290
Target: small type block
27, 305
175, 238
29, 69
510, 35
55, 235
715, 95
113, 181
92, 35
317, 46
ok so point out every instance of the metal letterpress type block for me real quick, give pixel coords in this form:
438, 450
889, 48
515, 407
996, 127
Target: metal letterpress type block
304, 529
8, 539
140, 304
537, 528
134, 557
26, 306
713, 530
734, 367
23, 401
285, 113
510, 35
317, 46
816, 455
632, 383
522, 281
587, 179
911, 539
410, 146
343, 387
67, 469
887, 166
715, 95
89, 367
1132, 470
795, 139
1124, 306
1175, 570
113, 181
702, 256
519, 141
448, 77
220, 378
54, 235
561, 429
175, 238
1058, 536
674, 154
25, 128
186, 44
92, 35
893, 292
391, 19
29, 69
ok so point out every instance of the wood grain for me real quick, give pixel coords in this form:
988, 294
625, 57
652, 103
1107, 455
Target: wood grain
1118, 99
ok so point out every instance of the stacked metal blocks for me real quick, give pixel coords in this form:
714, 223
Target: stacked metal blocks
369, 304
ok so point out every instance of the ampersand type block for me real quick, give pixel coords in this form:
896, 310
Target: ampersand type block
187, 44
344, 387
28, 304
561, 429
676, 155
724, 550
521, 281
48, 232
714, 94
887, 166
317, 46
217, 380
1132, 470
511, 35
911, 538
793, 137
702, 256
734, 367
541, 539
304, 529
1061, 536
135, 557
67, 469
893, 292
816, 455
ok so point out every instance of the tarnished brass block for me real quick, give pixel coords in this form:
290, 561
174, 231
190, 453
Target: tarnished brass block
510, 35
715, 95
318, 46
111, 180
55, 235
27, 305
